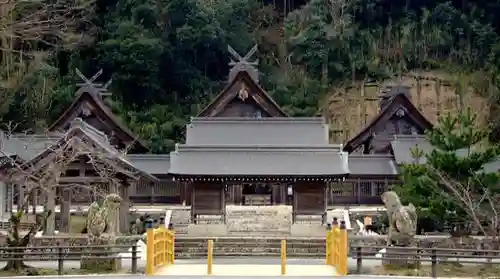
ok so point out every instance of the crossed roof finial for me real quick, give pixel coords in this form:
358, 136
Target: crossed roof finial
94, 87
242, 64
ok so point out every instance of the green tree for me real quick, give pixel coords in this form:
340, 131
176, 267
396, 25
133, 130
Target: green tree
451, 183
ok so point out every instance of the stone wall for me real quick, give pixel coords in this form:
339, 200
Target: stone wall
274, 220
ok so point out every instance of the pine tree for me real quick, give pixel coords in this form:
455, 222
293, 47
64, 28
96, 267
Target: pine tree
449, 184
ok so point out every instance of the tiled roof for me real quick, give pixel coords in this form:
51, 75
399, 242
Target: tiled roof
258, 160
372, 164
251, 131
26, 146
403, 144
151, 163
32, 147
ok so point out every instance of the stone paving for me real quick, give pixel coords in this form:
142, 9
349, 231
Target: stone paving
247, 270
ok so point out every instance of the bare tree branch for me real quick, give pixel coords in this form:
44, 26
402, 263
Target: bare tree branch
48, 171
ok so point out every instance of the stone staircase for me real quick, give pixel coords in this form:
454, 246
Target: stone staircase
181, 218
196, 247
258, 220
341, 215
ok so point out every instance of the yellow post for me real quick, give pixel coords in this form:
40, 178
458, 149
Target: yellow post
335, 246
173, 247
164, 239
343, 250
283, 257
209, 256
150, 252
328, 248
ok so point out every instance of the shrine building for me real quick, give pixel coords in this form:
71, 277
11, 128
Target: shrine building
242, 149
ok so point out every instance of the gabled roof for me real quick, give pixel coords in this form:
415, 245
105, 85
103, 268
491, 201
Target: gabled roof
394, 104
230, 92
83, 133
90, 96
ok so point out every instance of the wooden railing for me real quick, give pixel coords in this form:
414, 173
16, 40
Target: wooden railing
62, 254
160, 249
416, 256
336, 248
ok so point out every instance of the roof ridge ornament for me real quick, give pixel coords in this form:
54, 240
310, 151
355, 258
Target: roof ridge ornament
390, 91
96, 88
242, 64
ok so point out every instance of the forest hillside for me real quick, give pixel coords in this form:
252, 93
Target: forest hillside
168, 58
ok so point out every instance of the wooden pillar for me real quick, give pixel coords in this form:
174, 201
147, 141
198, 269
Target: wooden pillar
152, 193
4, 199
50, 205
65, 205
223, 201
358, 191
34, 197
182, 192
284, 194
295, 201
20, 196
325, 200
238, 194
189, 193
276, 193
125, 205
193, 204
10, 196
231, 197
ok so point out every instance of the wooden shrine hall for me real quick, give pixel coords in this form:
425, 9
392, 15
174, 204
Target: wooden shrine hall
242, 149
222, 156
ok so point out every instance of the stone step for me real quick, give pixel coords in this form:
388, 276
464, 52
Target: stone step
191, 247
192, 255
181, 218
290, 244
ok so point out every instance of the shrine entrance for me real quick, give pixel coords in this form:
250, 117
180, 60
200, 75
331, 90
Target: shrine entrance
257, 194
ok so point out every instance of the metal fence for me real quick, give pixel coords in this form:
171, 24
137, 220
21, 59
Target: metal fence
415, 256
71, 253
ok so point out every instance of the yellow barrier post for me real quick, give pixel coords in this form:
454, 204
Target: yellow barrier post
150, 252
328, 248
283, 257
165, 246
160, 248
343, 250
173, 246
337, 248
209, 256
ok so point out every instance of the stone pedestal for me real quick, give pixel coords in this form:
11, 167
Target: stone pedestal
101, 264
400, 257
101, 259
